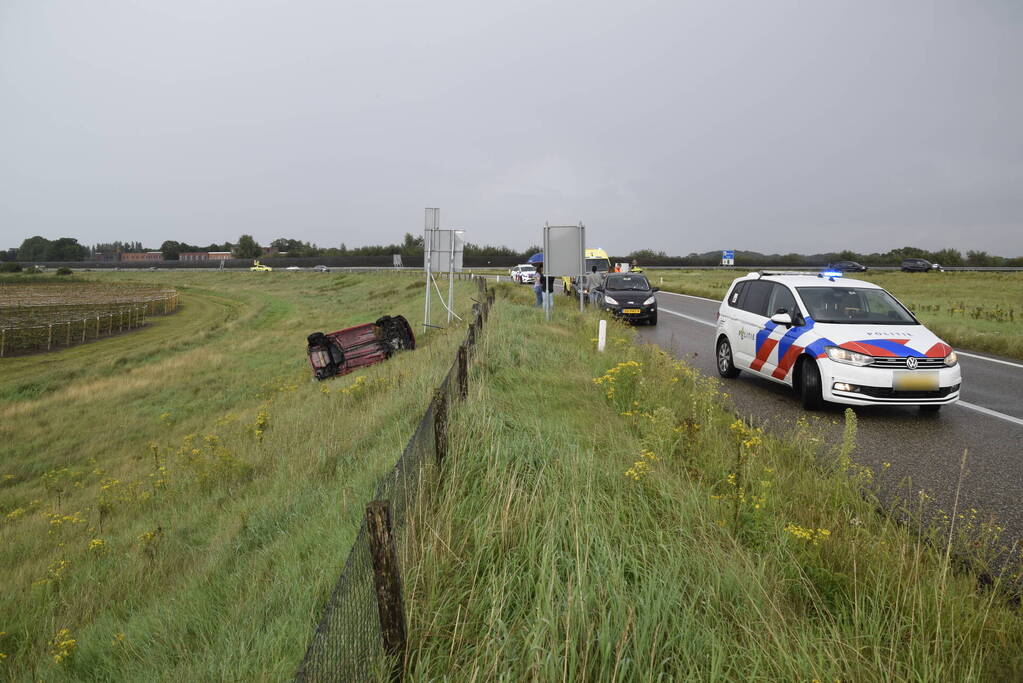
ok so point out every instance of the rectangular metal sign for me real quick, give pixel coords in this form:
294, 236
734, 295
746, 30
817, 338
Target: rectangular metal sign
443, 245
564, 248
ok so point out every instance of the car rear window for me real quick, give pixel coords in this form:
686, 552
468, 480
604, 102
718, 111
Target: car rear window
757, 294
736, 296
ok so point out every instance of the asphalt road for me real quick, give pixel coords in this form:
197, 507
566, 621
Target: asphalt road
924, 449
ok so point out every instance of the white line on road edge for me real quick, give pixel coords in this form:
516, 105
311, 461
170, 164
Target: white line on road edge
716, 301
993, 360
992, 413
689, 317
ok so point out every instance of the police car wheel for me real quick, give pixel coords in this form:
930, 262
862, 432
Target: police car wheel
810, 385
726, 368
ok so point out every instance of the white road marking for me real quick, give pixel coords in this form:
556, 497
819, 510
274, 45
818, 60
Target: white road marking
688, 317
964, 404
992, 413
716, 301
993, 360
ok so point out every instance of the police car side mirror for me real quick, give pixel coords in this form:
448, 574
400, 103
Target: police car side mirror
782, 319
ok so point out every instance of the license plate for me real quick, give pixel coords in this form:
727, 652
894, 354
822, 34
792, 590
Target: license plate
631, 310
915, 381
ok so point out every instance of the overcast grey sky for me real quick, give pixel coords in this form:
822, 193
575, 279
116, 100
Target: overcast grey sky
683, 126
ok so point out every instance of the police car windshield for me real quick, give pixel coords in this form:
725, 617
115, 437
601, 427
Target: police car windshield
621, 283
854, 305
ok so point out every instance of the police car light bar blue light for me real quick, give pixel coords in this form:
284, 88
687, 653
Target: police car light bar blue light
830, 273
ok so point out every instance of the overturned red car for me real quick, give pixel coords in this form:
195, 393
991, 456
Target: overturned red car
341, 352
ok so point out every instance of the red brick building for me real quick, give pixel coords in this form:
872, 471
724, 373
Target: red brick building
144, 256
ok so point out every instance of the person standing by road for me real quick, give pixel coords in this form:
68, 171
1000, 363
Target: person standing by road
538, 285
593, 281
548, 291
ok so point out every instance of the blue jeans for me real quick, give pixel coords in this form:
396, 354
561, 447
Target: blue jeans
538, 290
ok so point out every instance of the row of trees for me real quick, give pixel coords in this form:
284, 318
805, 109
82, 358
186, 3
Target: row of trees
61, 249
68, 249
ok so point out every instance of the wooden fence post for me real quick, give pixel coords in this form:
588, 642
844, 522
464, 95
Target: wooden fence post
463, 372
440, 425
387, 578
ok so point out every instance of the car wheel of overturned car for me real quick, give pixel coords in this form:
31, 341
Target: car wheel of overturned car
726, 368
397, 332
810, 384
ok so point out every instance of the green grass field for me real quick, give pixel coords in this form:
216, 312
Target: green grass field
176, 502
618, 523
970, 310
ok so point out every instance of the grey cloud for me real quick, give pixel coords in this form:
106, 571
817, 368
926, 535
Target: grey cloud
781, 126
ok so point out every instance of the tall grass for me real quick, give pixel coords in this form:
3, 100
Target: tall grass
630, 528
176, 504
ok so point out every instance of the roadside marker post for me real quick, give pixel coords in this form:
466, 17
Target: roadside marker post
601, 335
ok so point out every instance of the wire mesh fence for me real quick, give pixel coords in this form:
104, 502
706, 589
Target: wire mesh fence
347, 643
28, 326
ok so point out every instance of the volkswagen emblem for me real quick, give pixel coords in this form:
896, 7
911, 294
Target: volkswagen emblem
911, 363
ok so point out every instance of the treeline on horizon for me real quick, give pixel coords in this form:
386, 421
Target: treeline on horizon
36, 249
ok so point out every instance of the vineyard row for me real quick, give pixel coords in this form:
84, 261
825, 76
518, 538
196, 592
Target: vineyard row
22, 339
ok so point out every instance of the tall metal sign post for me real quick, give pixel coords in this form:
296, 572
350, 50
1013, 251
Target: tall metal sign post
564, 254
442, 251
432, 220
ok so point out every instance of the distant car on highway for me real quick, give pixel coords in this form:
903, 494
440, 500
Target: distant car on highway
833, 339
321, 269
524, 273
258, 267
918, 265
629, 297
847, 267
292, 268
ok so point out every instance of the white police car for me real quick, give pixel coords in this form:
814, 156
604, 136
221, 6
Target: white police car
833, 339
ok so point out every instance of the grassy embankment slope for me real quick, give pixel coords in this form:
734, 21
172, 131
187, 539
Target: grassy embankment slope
604, 517
971, 311
180, 498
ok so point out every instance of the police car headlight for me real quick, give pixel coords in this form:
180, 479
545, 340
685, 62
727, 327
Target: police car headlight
951, 359
609, 300
650, 302
840, 355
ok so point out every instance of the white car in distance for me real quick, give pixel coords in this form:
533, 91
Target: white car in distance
524, 273
833, 339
